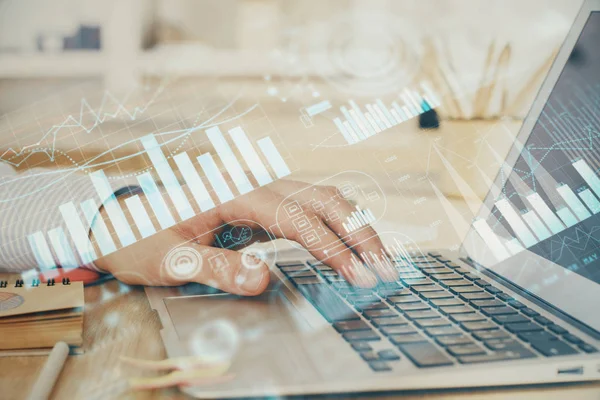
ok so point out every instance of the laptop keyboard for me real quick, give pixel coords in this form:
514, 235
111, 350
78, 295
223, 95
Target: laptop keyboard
437, 314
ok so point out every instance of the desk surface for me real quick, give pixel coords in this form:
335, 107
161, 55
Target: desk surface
119, 321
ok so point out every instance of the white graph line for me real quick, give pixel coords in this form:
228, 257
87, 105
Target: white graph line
66, 172
77, 122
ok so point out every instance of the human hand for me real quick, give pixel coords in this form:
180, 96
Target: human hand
142, 262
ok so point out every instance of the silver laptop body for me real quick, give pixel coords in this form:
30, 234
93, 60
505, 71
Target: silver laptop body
281, 343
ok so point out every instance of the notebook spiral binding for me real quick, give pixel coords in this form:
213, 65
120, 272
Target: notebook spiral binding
19, 283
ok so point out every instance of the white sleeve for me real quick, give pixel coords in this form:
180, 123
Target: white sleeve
29, 203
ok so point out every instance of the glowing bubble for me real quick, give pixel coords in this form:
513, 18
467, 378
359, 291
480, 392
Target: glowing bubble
217, 341
183, 263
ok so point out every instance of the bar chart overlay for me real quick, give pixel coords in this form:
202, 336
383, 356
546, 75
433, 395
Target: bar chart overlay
148, 212
358, 124
542, 220
358, 219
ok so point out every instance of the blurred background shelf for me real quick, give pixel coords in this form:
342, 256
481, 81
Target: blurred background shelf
75, 64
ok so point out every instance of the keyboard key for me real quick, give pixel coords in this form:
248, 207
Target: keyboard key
504, 296
323, 268
388, 355
307, 281
379, 366
302, 274
458, 283
428, 323
291, 264
410, 338
514, 353
370, 306
490, 335
498, 311
294, 269
369, 356
516, 304
398, 330
412, 307
345, 326
553, 348
454, 340
422, 314
529, 312
314, 262
479, 326
510, 318
443, 331
502, 344
470, 349
487, 303
327, 302
588, 348
559, 330
442, 270
542, 320
361, 346
451, 310
476, 296
397, 320
536, 336
361, 336
425, 355
462, 270
523, 327
493, 290
404, 299
572, 339
446, 277
436, 295
379, 313
482, 283
446, 302
417, 282
464, 289
363, 298
458, 318
427, 288
471, 276
354, 291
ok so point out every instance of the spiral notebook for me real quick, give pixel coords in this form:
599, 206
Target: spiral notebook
34, 315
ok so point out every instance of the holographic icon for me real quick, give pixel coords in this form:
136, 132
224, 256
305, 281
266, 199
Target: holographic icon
218, 264
183, 263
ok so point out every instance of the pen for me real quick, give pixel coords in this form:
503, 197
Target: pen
50, 372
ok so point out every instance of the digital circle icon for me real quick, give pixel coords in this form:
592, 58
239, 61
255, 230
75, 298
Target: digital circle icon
183, 263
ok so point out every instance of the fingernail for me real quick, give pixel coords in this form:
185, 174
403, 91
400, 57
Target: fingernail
251, 280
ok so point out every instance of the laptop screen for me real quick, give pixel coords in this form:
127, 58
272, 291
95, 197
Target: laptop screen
542, 226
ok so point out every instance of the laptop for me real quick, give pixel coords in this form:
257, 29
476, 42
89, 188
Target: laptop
517, 304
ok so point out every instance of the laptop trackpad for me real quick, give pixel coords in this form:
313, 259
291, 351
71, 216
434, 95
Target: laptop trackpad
263, 336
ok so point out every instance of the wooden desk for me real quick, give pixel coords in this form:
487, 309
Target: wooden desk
118, 321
